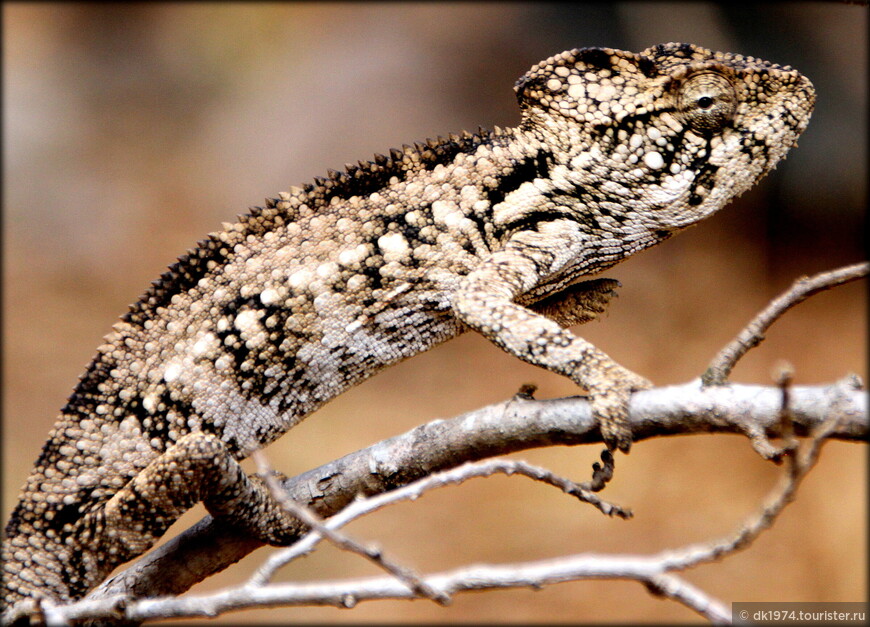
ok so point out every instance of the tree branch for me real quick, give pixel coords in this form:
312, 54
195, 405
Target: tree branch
514, 425
320, 529
412, 491
753, 334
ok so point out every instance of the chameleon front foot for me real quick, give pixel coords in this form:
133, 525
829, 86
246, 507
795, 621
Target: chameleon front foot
610, 407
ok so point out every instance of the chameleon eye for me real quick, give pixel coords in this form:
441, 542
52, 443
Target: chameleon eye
707, 102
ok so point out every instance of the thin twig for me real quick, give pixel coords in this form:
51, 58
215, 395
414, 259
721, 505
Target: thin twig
752, 335
800, 462
373, 553
784, 376
413, 491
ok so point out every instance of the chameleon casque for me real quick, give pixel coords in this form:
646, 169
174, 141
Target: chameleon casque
269, 318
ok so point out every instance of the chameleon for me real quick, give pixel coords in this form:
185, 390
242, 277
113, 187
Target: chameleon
270, 317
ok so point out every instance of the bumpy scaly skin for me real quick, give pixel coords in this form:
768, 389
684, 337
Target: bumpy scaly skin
271, 317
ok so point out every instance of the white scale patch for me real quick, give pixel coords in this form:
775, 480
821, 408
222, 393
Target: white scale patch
394, 244
269, 296
172, 372
353, 256
247, 321
300, 278
654, 160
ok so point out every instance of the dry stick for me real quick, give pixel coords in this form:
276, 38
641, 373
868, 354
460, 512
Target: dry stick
108, 606
348, 593
752, 335
653, 571
758, 437
342, 541
516, 425
416, 489
785, 380
800, 462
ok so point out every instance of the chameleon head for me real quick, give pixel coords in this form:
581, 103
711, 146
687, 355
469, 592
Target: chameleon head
672, 133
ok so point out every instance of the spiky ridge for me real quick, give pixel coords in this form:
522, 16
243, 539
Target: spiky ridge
363, 179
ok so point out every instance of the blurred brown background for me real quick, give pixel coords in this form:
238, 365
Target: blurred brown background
130, 131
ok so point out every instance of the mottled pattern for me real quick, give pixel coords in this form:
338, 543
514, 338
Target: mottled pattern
269, 318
